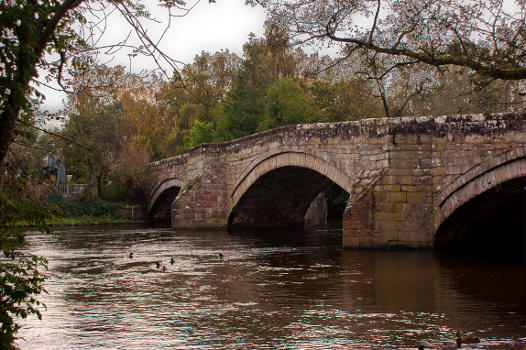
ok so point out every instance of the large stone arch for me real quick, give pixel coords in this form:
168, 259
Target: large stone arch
284, 159
479, 179
286, 180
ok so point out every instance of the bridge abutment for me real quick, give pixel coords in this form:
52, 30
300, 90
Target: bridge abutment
392, 207
389, 217
203, 201
358, 225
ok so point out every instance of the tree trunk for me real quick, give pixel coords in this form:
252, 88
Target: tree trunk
30, 51
99, 185
7, 125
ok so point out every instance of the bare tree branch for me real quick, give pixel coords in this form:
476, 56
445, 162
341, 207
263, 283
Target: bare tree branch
476, 34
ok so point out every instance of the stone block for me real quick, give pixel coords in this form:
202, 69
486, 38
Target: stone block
407, 139
389, 179
402, 209
380, 196
409, 188
384, 216
425, 188
425, 162
392, 237
439, 171
366, 241
404, 180
426, 139
350, 241
415, 197
422, 180
383, 226
422, 172
389, 188
384, 206
396, 197
439, 144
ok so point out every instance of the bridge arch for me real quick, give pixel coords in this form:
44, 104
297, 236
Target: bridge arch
279, 188
479, 179
161, 199
482, 202
292, 159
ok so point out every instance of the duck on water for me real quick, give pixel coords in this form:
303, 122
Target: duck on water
467, 338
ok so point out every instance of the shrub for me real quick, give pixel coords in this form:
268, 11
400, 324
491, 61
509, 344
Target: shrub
85, 206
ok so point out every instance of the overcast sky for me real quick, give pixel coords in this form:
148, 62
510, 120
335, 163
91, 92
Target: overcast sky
210, 27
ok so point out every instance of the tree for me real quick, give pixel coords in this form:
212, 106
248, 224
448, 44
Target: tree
455, 92
32, 31
21, 277
52, 35
242, 110
201, 132
193, 95
287, 104
265, 62
344, 99
98, 133
143, 123
485, 36
130, 175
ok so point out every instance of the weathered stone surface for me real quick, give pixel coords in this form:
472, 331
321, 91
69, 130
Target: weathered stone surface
316, 216
405, 176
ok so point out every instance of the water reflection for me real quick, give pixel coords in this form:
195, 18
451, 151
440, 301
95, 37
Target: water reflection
279, 290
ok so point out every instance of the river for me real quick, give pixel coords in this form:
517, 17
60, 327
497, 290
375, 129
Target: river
280, 290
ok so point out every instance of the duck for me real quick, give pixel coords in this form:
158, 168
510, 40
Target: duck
131, 255
158, 264
172, 261
468, 338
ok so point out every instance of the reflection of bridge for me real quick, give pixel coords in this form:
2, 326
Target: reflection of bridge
405, 176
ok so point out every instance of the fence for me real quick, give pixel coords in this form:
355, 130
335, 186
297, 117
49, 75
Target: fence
70, 191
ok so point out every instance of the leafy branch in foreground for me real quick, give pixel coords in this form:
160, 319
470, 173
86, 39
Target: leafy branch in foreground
21, 279
62, 36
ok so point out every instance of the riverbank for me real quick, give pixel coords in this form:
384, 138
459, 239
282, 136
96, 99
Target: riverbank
93, 211
84, 220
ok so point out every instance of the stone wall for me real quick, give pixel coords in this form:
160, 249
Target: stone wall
134, 213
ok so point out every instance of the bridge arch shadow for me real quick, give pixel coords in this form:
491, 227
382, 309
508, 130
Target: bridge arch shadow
161, 200
278, 190
487, 212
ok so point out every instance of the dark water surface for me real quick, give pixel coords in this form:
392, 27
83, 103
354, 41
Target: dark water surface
270, 291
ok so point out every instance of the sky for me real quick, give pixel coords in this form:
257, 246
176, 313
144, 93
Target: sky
210, 27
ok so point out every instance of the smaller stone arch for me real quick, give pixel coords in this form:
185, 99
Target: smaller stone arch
477, 181
161, 199
161, 187
288, 159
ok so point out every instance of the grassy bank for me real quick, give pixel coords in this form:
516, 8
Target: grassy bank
84, 220
86, 210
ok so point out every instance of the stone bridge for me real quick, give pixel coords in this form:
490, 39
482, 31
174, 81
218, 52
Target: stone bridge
406, 177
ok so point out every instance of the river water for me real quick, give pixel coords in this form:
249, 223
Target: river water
280, 290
